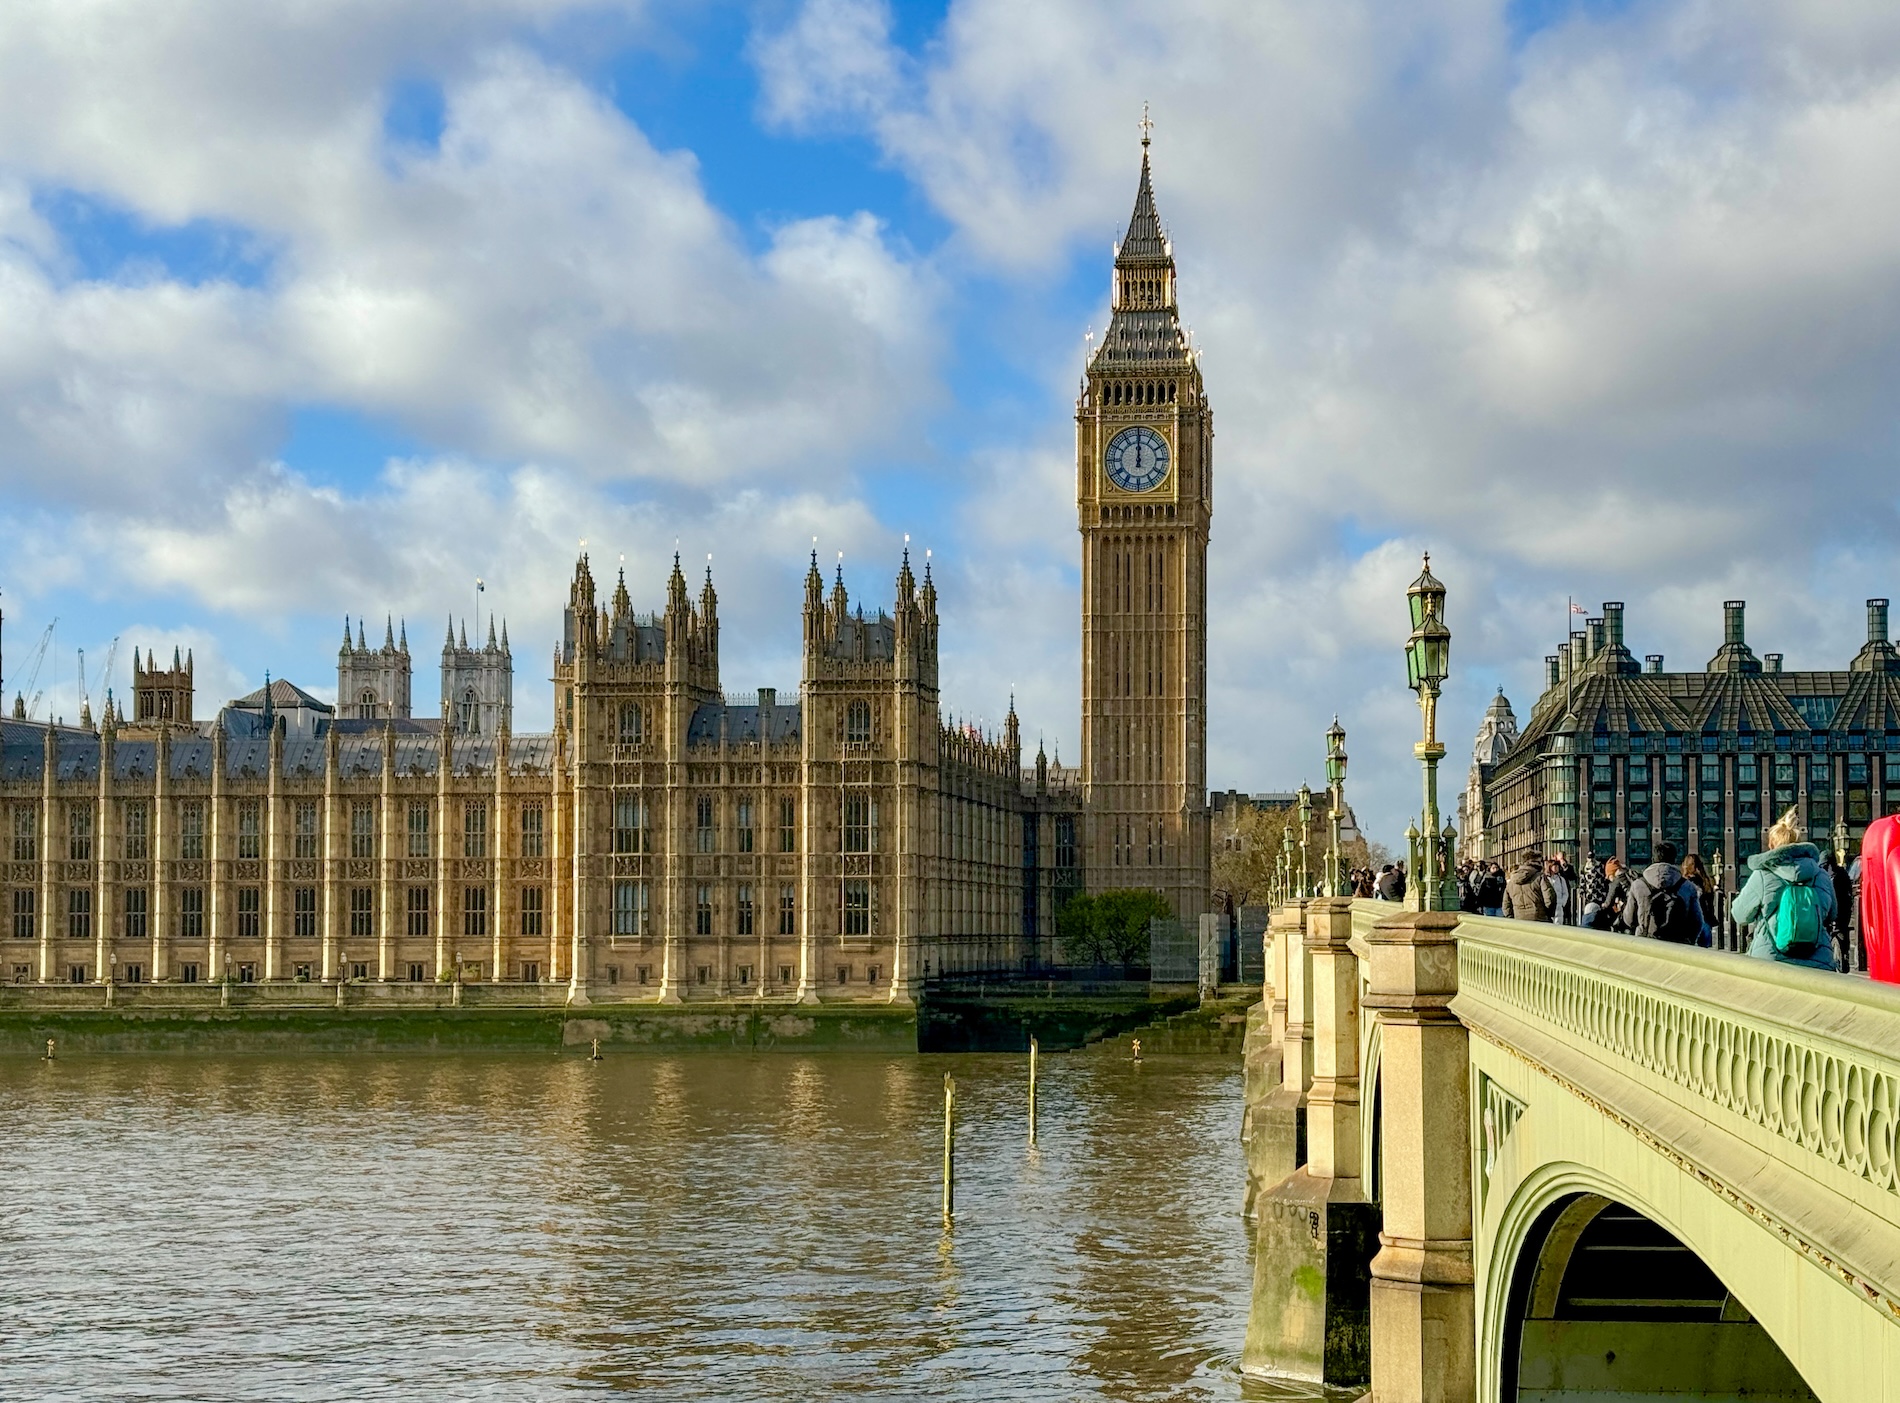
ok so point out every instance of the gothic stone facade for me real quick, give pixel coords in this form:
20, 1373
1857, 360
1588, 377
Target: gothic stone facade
666, 840
1618, 756
1145, 500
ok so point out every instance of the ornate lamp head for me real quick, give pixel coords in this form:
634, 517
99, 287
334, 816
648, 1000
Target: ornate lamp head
1306, 805
1428, 650
1335, 754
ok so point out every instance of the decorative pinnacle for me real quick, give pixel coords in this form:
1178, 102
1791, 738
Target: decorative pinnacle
1146, 126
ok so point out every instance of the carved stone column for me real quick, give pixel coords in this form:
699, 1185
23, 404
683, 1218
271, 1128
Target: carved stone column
1316, 1236
560, 882
274, 861
389, 833
1277, 1143
50, 853
216, 865
580, 836
447, 851
808, 830
162, 870
104, 859
501, 832
1423, 1327
335, 822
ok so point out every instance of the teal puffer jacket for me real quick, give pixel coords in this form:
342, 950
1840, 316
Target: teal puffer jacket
1768, 874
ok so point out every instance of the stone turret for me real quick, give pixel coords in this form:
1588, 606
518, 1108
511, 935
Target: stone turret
478, 684
374, 683
161, 698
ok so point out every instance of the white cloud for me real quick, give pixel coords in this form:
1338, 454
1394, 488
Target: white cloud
543, 285
833, 58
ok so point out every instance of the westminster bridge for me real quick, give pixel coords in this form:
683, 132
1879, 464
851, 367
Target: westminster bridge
1490, 1160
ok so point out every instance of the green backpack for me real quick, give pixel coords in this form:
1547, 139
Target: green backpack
1798, 921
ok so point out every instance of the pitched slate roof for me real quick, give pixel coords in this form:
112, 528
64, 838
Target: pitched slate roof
284, 696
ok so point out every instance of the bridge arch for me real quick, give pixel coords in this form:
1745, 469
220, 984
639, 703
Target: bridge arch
1591, 1296
1371, 1110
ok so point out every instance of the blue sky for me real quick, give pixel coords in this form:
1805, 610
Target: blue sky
306, 314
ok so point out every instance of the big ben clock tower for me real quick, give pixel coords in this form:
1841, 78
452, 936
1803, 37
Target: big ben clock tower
1144, 446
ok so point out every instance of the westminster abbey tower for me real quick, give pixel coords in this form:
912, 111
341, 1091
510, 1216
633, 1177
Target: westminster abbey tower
1144, 496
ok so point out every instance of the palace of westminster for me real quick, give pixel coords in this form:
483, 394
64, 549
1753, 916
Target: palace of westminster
667, 840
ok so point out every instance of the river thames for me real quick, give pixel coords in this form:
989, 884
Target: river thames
682, 1227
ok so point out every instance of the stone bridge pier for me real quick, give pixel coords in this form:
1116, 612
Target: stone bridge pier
1505, 1163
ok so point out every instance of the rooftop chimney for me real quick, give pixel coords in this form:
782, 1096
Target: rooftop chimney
1876, 621
1653, 662
1553, 673
1613, 622
1771, 662
1595, 635
1732, 620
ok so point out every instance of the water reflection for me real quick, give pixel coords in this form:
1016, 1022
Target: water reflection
705, 1227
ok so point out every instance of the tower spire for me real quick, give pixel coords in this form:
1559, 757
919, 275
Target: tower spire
1144, 238
1144, 329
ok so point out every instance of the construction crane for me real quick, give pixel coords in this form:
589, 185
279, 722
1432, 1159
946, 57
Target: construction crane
33, 672
105, 673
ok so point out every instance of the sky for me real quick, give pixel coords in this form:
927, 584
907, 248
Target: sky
313, 310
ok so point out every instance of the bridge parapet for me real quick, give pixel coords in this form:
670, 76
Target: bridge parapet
1774, 1087
1745, 1115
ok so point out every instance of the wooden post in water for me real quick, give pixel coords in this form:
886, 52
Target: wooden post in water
1032, 1090
949, 1149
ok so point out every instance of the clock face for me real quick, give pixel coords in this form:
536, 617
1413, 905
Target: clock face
1137, 459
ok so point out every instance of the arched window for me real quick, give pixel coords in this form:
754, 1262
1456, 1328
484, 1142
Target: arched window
857, 723
366, 704
631, 724
471, 712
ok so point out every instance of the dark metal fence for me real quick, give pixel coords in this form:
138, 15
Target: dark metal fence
1251, 964
1174, 952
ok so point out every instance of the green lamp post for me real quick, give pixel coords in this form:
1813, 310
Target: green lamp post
1306, 823
1336, 787
1286, 864
1427, 664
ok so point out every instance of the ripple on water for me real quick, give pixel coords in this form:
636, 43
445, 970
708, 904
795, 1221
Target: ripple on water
703, 1227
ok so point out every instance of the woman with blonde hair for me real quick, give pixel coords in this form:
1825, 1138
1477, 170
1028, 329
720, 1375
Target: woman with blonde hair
1784, 905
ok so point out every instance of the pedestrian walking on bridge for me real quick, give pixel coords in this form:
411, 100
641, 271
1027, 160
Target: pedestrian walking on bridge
1491, 890
1559, 883
1663, 904
1528, 895
1787, 900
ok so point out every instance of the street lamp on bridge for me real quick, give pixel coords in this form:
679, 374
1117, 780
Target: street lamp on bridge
1306, 823
1427, 664
1336, 785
